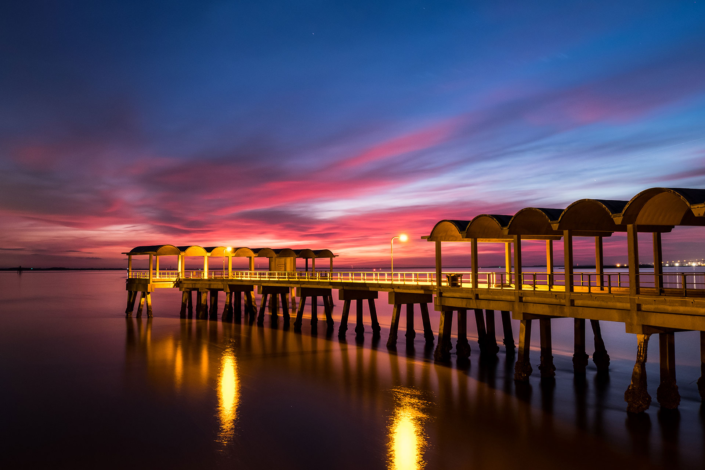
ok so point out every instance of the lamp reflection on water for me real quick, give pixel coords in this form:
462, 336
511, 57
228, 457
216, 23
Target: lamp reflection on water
228, 395
407, 438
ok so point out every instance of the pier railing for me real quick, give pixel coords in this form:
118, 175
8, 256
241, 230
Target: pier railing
679, 283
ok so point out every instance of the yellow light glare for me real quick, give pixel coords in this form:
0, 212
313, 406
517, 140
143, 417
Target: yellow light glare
403, 237
230, 248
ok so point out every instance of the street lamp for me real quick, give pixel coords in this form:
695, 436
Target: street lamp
402, 238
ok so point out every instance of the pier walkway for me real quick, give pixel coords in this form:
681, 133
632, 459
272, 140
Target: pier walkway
656, 302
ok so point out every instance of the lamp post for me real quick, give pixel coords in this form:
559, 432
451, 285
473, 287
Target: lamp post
402, 238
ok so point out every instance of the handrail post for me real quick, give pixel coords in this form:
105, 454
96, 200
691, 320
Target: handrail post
609, 284
685, 287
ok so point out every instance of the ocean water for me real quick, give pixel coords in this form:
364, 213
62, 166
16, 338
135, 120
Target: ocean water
81, 386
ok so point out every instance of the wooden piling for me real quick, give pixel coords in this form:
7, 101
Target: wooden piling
342, 330
373, 317
140, 306
359, 326
184, 304
444, 346
522, 368
462, 347
637, 397
580, 358
508, 334
491, 335
410, 333
548, 370
394, 327
131, 298
667, 392
481, 332
213, 314
300, 314
600, 356
426, 318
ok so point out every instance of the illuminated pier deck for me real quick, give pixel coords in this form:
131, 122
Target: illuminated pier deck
646, 303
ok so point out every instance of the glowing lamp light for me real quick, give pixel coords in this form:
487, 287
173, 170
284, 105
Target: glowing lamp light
229, 249
403, 237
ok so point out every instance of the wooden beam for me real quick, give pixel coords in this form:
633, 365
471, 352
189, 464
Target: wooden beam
517, 263
658, 262
475, 263
633, 251
439, 266
568, 260
549, 263
599, 262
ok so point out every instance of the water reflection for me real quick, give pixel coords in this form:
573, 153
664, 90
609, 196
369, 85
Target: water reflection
407, 439
228, 395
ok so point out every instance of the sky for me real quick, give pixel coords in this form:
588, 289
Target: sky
336, 124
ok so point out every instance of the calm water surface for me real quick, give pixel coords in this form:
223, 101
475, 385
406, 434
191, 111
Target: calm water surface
83, 387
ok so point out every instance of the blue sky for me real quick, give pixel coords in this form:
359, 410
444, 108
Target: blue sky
333, 124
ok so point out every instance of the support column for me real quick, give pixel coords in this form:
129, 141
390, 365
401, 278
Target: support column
508, 335
701, 380
227, 315
260, 317
568, 262
637, 397
205, 267
237, 306
580, 358
213, 314
190, 304
313, 265
359, 326
285, 307
394, 327
517, 262
373, 316
314, 306
667, 392
481, 332
658, 263
633, 248
131, 297
328, 309
442, 352
439, 267
306, 264
151, 267
522, 368
410, 333
300, 313
331, 265
549, 263
462, 347
600, 356
178, 264
427, 329
184, 304
599, 262
202, 305
252, 264
343, 328
491, 335
475, 263
230, 267
250, 304
140, 305
149, 304
508, 258
129, 266
548, 370
156, 265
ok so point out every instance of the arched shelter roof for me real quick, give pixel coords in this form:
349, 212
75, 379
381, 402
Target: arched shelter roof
449, 231
264, 252
488, 228
590, 215
324, 254
230, 251
158, 250
193, 250
534, 223
665, 206
284, 253
305, 253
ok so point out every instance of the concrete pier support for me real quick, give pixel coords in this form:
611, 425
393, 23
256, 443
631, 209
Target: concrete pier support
140, 305
403, 298
313, 294
272, 294
444, 346
508, 335
667, 392
190, 304
580, 357
637, 397
227, 315
481, 332
462, 347
213, 312
701, 380
425, 317
600, 356
145, 302
548, 370
491, 336
131, 298
185, 297
202, 305
522, 368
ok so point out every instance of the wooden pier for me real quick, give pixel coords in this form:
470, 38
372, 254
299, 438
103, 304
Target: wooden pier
646, 303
